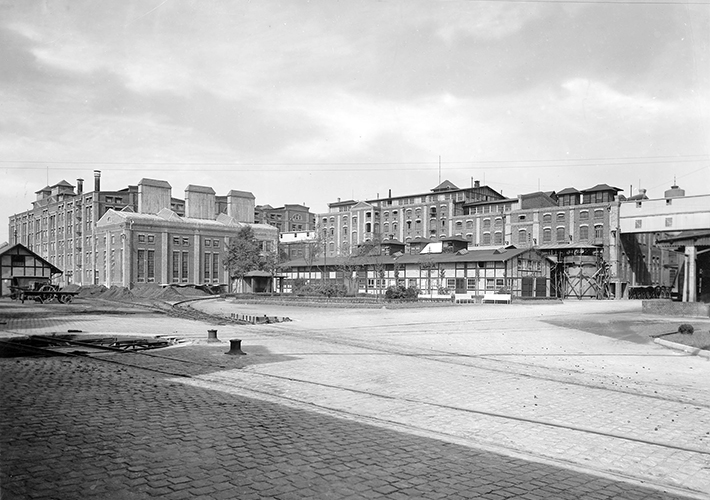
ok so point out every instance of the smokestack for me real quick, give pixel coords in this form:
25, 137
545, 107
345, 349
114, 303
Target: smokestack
79, 186
390, 194
97, 180
477, 184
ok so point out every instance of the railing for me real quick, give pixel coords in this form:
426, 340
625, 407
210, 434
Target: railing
649, 292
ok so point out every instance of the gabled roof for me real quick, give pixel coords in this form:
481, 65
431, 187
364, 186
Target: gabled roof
20, 249
154, 183
241, 194
63, 183
569, 190
602, 187
445, 186
199, 189
362, 205
45, 189
419, 239
455, 238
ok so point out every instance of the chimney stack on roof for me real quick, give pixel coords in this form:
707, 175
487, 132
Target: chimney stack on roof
79, 186
97, 180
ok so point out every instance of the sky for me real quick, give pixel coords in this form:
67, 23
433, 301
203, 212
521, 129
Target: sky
311, 101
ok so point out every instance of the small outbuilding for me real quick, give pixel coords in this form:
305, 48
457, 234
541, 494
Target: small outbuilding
20, 266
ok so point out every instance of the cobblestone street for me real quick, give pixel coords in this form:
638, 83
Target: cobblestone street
177, 423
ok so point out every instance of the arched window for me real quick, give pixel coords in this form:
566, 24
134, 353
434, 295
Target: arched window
486, 240
547, 235
560, 233
522, 236
547, 218
498, 238
583, 233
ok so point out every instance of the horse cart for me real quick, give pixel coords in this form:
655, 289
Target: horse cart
39, 290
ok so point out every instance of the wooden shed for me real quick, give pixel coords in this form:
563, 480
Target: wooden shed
19, 265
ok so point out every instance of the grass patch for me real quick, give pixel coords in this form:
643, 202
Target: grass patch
698, 339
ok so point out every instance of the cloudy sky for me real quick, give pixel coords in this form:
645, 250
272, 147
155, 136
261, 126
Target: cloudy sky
309, 101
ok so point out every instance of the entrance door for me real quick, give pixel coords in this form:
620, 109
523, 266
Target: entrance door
527, 290
540, 287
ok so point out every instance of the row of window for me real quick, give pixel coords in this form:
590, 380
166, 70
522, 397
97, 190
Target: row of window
180, 266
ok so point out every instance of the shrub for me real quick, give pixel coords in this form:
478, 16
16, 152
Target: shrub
329, 289
399, 292
686, 328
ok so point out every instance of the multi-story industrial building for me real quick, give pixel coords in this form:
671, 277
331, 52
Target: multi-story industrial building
288, 218
423, 215
579, 230
139, 234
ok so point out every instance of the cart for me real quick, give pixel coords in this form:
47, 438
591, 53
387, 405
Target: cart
39, 290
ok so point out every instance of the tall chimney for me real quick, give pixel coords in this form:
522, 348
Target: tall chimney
97, 180
79, 186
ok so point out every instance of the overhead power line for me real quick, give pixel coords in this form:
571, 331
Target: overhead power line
361, 166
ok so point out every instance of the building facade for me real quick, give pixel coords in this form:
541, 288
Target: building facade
133, 235
289, 218
438, 272
430, 215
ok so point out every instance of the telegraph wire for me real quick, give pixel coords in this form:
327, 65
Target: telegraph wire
362, 166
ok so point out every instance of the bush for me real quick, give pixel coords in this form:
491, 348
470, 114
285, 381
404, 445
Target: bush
686, 328
399, 292
330, 289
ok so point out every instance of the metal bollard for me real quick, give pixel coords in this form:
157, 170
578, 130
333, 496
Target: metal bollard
235, 348
212, 336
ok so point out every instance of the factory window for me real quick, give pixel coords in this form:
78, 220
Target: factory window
560, 233
176, 266
584, 233
215, 267
184, 266
151, 266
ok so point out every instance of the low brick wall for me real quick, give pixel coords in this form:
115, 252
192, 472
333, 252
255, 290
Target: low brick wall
666, 307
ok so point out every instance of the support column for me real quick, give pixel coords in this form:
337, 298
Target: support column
691, 273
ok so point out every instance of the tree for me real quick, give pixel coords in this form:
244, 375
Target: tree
243, 255
271, 262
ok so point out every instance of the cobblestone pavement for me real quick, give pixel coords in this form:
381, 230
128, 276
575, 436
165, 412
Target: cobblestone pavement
355, 405
82, 428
